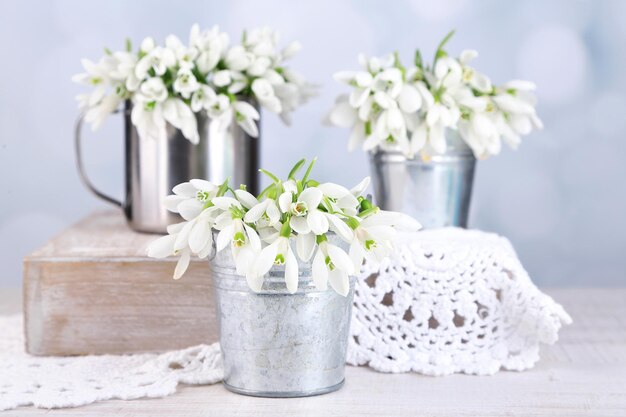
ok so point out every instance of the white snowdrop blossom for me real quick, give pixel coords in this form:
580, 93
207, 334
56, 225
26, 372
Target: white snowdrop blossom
411, 109
291, 221
173, 82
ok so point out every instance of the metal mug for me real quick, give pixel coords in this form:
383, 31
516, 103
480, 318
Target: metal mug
276, 344
154, 167
436, 192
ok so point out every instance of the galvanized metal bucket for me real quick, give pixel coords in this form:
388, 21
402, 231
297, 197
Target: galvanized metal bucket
436, 192
154, 167
276, 344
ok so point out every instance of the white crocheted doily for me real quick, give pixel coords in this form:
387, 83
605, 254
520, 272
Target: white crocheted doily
55, 382
451, 301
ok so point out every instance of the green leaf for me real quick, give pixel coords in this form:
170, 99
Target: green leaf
129, 45
308, 170
269, 174
418, 59
107, 51
440, 52
223, 188
266, 190
296, 168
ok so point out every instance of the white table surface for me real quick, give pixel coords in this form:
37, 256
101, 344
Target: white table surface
584, 374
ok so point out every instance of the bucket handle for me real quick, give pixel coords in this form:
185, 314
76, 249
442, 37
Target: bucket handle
79, 163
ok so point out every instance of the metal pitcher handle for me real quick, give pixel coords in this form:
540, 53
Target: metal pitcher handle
79, 163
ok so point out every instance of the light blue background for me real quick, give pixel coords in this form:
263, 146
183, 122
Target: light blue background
560, 199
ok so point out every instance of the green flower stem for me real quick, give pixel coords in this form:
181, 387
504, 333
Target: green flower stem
285, 230
320, 238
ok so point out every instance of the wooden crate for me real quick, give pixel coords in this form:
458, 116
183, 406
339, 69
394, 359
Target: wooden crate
92, 290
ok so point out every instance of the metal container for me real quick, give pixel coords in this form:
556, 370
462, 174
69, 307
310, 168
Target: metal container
276, 344
154, 167
235, 155
436, 192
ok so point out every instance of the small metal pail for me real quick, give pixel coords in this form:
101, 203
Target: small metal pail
276, 344
436, 192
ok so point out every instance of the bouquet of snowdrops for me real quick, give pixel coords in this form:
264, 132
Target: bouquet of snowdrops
409, 108
173, 82
289, 217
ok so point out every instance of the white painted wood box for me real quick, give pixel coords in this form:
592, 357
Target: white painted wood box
92, 290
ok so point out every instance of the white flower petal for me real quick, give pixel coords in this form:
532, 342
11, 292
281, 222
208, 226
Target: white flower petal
409, 99
199, 236
162, 247
343, 115
284, 201
225, 203
340, 227
356, 255
340, 259
305, 245
300, 225
255, 241
339, 281
320, 271
182, 264
256, 212
312, 196
317, 222
203, 185
171, 202
246, 199
185, 189
291, 272
333, 190
190, 209
224, 237
266, 259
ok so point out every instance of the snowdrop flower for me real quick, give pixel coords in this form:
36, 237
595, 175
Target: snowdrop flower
481, 133
179, 115
210, 46
332, 264
290, 50
243, 240
96, 114
159, 59
302, 209
476, 80
247, 116
371, 242
264, 93
149, 121
95, 75
266, 213
262, 42
152, 91
185, 83
238, 59
203, 98
277, 253
189, 198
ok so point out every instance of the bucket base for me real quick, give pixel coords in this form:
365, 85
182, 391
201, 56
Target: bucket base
285, 394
